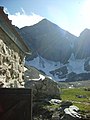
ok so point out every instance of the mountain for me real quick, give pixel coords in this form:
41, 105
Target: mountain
82, 48
49, 41
56, 52
74, 70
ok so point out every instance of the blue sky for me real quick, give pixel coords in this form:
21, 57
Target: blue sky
71, 15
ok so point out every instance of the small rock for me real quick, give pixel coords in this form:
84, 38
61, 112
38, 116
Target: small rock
55, 101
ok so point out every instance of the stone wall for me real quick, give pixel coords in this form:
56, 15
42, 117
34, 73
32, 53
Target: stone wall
11, 62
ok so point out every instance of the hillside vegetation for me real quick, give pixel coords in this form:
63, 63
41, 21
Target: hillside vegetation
78, 96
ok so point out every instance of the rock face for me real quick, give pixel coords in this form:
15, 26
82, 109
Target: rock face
53, 43
49, 40
60, 72
44, 88
82, 49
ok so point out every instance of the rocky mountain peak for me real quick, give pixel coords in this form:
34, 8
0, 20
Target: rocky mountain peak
52, 46
82, 49
49, 40
85, 32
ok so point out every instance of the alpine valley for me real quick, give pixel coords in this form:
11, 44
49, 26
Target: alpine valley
56, 52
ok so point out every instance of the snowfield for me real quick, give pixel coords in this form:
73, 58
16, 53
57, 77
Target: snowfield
73, 65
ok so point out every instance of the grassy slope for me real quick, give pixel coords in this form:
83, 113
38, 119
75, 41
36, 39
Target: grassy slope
70, 95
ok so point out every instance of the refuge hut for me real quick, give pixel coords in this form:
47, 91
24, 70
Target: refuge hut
12, 53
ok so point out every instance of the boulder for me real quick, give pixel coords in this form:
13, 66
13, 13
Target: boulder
65, 104
43, 88
71, 113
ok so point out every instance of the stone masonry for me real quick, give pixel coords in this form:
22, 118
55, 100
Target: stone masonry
12, 53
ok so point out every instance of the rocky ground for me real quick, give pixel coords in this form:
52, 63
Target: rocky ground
57, 110
47, 99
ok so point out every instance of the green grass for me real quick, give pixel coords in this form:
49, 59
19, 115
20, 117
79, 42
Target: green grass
82, 106
70, 95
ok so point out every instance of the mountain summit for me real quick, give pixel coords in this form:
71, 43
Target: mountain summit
57, 52
82, 48
49, 40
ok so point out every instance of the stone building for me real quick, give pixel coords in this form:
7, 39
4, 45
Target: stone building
12, 53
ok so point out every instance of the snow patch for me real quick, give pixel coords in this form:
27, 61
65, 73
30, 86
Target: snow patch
42, 77
76, 65
45, 65
73, 65
72, 111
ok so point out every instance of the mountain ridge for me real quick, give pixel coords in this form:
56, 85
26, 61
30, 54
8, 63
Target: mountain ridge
48, 39
51, 43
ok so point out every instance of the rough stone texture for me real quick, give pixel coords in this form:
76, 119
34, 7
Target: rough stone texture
12, 52
11, 63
